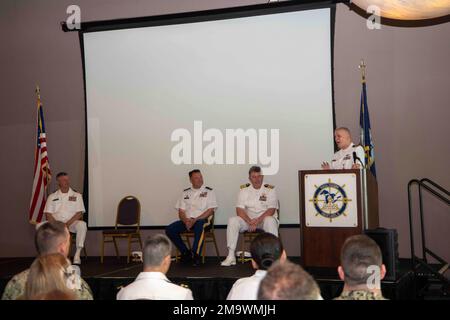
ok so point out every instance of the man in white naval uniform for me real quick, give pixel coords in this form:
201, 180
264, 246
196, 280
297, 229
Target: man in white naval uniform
195, 208
344, 159
67, 206
256, 209
152, 283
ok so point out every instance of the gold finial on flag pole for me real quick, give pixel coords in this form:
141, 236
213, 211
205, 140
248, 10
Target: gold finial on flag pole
38, 92
362, 67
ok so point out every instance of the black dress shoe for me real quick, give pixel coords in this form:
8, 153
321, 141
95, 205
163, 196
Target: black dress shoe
186, 258
196, 260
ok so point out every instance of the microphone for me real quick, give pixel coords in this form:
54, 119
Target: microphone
355, 157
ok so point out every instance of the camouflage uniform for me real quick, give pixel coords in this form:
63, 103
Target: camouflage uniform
360, 295
16, 288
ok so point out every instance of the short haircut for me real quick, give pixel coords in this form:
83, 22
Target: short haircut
193, 171
48, 236
357, 254
266, 249
156, 248
288, 281
61, 174
344, 129
254, 169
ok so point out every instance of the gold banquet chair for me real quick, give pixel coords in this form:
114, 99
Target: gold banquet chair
129, 216
208, 237
247, 238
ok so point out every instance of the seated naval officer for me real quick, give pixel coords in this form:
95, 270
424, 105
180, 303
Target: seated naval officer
345, 157
66, 205
195, 210
255, 209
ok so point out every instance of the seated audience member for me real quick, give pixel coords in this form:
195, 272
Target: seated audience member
49, 274
50, 237
360, 258
288, 281
152, 283
265, 249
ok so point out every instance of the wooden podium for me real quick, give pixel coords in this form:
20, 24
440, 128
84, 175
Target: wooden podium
334, 204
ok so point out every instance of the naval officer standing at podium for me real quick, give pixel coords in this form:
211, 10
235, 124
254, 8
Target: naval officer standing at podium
349, 156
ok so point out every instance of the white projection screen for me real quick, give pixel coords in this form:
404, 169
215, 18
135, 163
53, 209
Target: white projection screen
162, 100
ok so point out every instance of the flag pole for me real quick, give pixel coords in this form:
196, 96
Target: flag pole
363, 170
38, 95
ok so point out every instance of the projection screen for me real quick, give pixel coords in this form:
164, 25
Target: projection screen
217, 95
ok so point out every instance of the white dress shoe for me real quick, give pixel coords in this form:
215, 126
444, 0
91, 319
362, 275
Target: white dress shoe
229, 261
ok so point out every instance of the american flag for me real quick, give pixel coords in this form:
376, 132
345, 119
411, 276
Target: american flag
42, 174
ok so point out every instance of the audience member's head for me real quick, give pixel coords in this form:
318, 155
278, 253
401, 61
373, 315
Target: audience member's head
266, 249
52, 237
156, 255
47, 274
288, 281
360, 256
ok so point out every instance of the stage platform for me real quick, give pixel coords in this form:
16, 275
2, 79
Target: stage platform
207, 282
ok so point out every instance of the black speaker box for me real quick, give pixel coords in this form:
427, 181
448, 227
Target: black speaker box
387, 240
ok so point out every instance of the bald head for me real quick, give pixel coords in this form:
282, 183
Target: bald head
343, 137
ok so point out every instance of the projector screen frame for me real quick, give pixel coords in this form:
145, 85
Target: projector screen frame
193, 17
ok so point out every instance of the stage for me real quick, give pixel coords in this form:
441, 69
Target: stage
207, 282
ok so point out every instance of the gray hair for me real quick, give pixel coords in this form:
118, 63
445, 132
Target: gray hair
49, 235
156, 248
288, 281
344, 129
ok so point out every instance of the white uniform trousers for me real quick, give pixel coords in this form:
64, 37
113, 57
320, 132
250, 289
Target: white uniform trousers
237, 225
79, 227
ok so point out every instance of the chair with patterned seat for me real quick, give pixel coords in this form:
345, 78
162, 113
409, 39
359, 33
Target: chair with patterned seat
128, 220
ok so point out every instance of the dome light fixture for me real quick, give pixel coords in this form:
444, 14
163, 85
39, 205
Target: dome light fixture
407, 9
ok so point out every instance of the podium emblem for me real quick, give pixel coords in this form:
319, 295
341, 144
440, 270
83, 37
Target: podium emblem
330, 200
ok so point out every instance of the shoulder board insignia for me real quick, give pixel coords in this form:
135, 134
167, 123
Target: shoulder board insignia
269, 186
208, 188
245, 185
187, 189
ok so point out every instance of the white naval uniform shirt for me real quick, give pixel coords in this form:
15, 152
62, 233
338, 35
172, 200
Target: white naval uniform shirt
256, 201
196, 201
343, 159
64, 205
153, 286
247, 288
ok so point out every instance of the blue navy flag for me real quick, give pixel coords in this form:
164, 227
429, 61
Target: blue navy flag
366, 135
